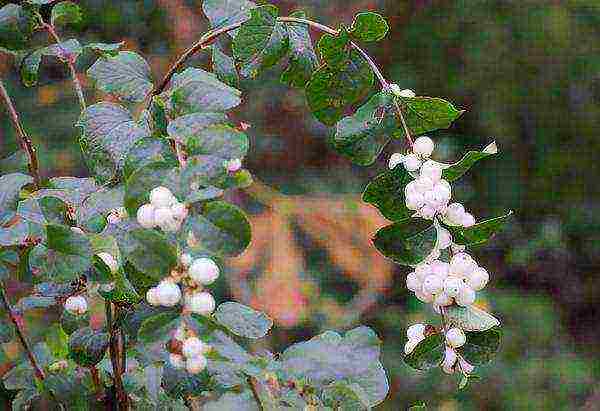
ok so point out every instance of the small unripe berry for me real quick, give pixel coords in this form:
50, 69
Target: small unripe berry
466, 296
76, 305
462, 265
179, 211
196, 365
413, 283
467, 220
110, 261
161, 197
478, 279
152, 296
455, 337
395, 159
201, 303
193, 347
416, 332
145, 216
423, 146
431, 170
177, 361
185, 260
433, 285
204, 271
452, 286
412, 162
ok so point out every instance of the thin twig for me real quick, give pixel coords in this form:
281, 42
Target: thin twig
22, 138
253, 386
121, 394
39, 372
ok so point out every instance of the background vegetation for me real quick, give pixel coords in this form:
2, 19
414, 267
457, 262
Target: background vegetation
528, 75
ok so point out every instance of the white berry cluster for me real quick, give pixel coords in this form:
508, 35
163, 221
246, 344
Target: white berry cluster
163, 211
76, 305
190, 352
443, 283
192, 275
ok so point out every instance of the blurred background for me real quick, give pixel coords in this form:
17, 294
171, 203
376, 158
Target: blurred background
528, 74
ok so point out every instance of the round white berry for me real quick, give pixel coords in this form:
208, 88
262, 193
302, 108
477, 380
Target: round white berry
185, 260
414, 200
431, 170
76, 305
440, 268
77, 230
478, 279
422, 270
424, 297
193, 346
395, 159
423, 146
450, 358
442, 299
455, 212
145, 216
467, 220
410, 346
395, 89
177, 361
163, 216
412, 162
444, 238
407, 93
466, 296
462, 265
234, 165
424, 184
168, 293
179, 211
452, 286
443, 191
455, 337
416, 332
427, 212
465, 366
152, 296
196, 365
433, 285
161, 197
110, 261
204, 271
201, 303
413, 283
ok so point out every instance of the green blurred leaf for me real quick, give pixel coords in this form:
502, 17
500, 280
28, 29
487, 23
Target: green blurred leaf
120, 290
429, 353
65, 12
218, 140
7, 331
10, 187
386, 192
148, 150
220, 228
335, 49
406, 242
159, 326
87, 346
16, 26
31, 63
242, 320
480, 232
261, 41
302, 57
231, 401
62, 239
470, 318
369, 26
43, 209
180, 384
109, 49
481, 347
71, 322
150, 252
9, 262
457, 170
127, 75
16, 162
331, 91
224, 67
425, 114
345, 397
57, 341
226, 12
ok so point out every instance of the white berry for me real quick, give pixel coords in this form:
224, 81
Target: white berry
432, 170
442, 299
433, 285
110, 261
423, 146
422, 271
407, 93
452, 286
76, 305
427, 212
168, 293
410, 346
179, 211
414, 200
450, 358
478, 279
466, 296
467, 220
395, 89
201, 303
145, 216
440, 268
455, 212
193, 347
413, 283
185, 260
204, 271
177, 361
443, 191
152, 297
416, 332
395, 159
444, 238
455, 337
161, 197
180, 334
196, 364
412, 162
462, 265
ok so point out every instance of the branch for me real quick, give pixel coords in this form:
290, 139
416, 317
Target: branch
39, 373
253, 386
121, 394
22, 138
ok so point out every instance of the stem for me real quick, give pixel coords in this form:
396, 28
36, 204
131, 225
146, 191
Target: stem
39, 373
97, 383
22, 138
254, 388
122, 400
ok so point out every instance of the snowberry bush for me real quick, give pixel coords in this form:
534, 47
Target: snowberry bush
149, 230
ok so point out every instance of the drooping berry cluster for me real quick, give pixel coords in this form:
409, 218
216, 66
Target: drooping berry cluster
163, 211
188, 351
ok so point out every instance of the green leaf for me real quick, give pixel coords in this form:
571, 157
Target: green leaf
345, 397
261, 41
406, 242
180, 384
369, 26
242, 320
62, 239
220, 228
31, 63
223, 13
16, 26
425, 114
219, 140
109, 49
127, 75
71, 322
429, 353
302, 56
7, 332
97, 206
148, 150
331, 91
158, 327
9, 262
87, 347
183, 127
480, 232
10, 187
224, 67
150, 252
120, 291
231, 401
109, 128
386, 192
16, 162
57, 341
335, 49
353, 358
65, 12
457, 170
16, 234
470, 318
481, 347
43, 210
